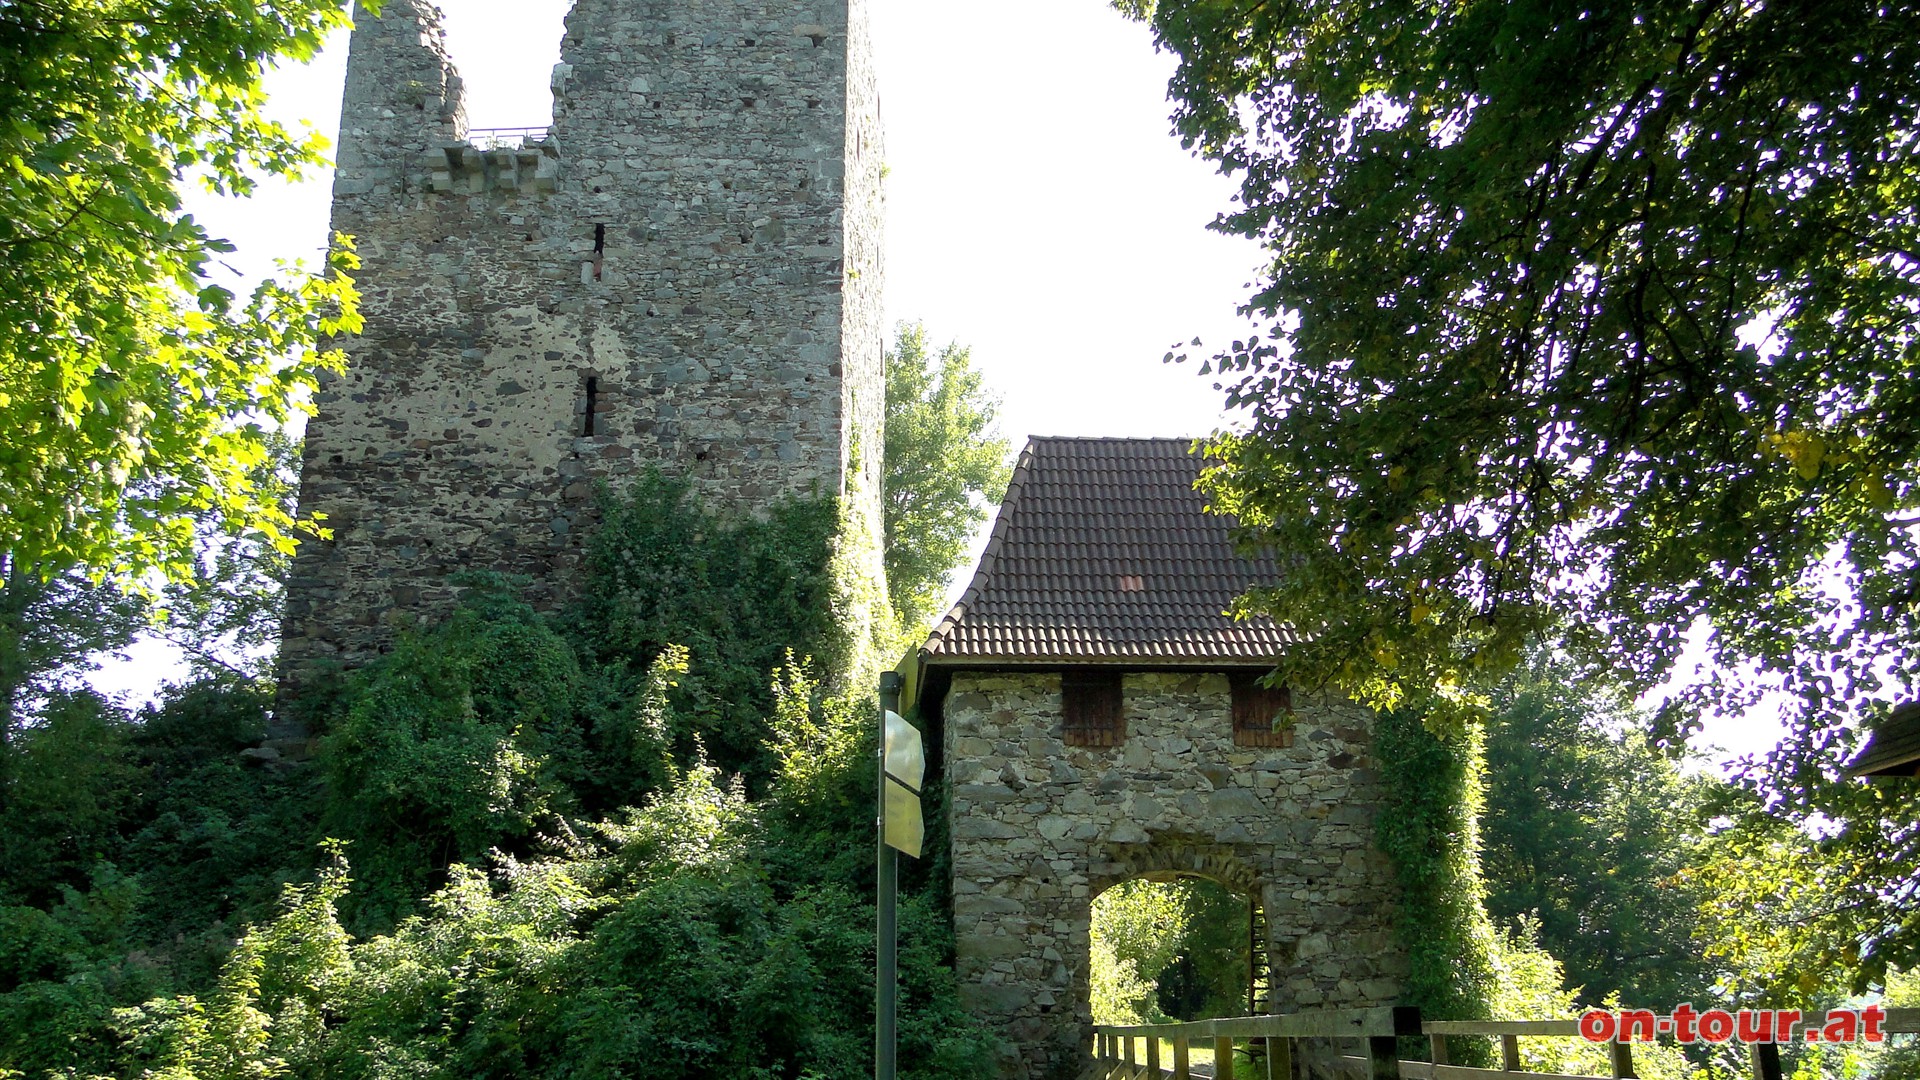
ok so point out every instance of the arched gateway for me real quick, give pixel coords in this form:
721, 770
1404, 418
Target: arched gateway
1100, 720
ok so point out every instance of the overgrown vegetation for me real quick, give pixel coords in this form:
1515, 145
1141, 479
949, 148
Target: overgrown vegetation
1429, 827
945, 470
1168, 950
647, 802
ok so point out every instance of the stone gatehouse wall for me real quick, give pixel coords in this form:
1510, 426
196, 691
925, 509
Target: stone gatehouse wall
693, 252
1040, 828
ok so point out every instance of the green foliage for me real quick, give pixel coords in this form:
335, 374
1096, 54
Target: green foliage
1429, 826
1209, 977
945, 469
136, 395
639, 913
50, 630
1590, 834
1166, 950
1137, 928
738, 594
1597, 319
463, 738
67, 785
659, 946
1530, 986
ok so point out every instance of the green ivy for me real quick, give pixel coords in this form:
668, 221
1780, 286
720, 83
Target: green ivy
1429, 827
739, 593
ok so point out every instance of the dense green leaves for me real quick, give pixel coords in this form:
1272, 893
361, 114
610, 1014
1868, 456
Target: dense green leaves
137, 394
1588, 318
945, 468
1592, 836
563, 881
740, 594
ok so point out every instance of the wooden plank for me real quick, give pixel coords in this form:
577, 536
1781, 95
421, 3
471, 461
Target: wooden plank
1383, 1057
1153, 1057
1279, 1059
1765, 1058
1622, 1059
1181, 1070
1420, 1070
1902, 1021
1332, 1024
1222, 1057
1501, 1027
1510, 1053
1127, 1054
1437, 1044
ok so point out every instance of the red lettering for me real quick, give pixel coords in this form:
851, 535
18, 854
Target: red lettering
1872, 1016
1783, 1022
1683, 1021
1637, 1025
1597, 1025
1716, 1025
1756, 1025
1843, 1025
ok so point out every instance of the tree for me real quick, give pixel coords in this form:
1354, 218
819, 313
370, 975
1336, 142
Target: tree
944, 467
136, 395
1591, 834
1591, 316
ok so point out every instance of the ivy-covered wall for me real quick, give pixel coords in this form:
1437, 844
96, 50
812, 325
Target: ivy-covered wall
1429, 827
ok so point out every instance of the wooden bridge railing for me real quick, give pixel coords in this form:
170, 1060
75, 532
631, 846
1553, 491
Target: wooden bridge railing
1380, 1030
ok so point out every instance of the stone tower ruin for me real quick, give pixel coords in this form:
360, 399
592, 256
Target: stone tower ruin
683, 271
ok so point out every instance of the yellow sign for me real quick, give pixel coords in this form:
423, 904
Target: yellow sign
905, 829
905, 759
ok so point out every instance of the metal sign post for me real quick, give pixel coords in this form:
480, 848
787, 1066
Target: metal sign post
903, 766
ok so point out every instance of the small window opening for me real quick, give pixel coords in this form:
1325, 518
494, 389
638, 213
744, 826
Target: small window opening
593, 404
1256, 707
1090, 708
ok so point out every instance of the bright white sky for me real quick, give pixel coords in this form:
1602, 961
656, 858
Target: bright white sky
1038, 209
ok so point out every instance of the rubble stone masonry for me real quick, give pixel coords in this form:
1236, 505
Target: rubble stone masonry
685, 271
1040, 828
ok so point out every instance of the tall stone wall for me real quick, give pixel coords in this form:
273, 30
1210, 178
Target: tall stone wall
684, 271
1040, 828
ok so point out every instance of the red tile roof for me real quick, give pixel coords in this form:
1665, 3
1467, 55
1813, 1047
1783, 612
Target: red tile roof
1103, 553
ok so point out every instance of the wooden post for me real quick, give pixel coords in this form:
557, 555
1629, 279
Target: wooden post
1766, 1060
1153, 1056
1223, 1057
1128, 1056
1383, 1057
1510, 1053
1438, 1043
1279, 1059
1181, 1070
1622, 1060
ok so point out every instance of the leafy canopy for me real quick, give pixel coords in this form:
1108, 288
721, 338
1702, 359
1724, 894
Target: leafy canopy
944, 466
137, 395
1592, 311
1590, 318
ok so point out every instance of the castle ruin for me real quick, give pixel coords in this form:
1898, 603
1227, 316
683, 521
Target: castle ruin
683, 271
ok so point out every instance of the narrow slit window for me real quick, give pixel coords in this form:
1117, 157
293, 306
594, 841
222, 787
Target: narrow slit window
1090, 708
1256, 708
593, 404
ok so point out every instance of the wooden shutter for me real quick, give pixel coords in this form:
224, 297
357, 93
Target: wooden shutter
1255, 708
1090, 708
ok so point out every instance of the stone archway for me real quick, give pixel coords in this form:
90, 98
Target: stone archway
1174, 858
1038, 828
